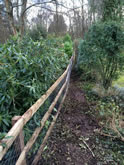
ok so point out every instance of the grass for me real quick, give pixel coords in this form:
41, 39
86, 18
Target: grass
119, 81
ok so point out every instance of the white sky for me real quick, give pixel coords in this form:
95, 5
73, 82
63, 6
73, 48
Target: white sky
32, 12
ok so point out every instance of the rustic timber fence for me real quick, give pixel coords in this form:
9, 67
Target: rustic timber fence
26, 140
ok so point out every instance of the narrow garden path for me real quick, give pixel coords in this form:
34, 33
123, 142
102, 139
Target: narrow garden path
72, 139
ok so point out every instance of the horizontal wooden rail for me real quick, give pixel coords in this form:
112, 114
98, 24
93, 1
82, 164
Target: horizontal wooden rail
40, 151
38, 130
15, 130
37, 157
13, 133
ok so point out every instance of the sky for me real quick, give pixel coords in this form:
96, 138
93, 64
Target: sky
68, 3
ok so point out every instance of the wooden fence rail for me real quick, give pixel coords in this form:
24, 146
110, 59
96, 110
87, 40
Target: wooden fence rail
18, 126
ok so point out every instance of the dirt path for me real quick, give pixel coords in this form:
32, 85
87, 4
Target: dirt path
71, 141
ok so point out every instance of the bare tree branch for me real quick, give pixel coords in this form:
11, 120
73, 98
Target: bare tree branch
35, 4
59, 12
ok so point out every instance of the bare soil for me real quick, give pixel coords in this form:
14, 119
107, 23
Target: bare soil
72, 141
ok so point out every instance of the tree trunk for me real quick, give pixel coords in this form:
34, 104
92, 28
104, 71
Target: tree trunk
56, 28
9, 10
17, 10
22, 18
82, 14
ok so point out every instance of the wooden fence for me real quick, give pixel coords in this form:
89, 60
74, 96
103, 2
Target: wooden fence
16, 132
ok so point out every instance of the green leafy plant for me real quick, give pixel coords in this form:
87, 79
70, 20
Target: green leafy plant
68, 46
27, 70
102, 50
110, 133
67, 38
37, 32
112, 10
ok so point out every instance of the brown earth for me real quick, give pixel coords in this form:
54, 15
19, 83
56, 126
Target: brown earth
71, 141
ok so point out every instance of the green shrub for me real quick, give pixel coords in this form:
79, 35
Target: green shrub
68, 48
27, 70
37, 32
67, 38
102, 49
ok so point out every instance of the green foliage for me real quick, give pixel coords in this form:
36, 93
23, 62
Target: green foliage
107, 109
37, 32
86, 86
111, 122
102, 50
67, 38
68, 46
113, 10
110, 118
5, 120
27, 70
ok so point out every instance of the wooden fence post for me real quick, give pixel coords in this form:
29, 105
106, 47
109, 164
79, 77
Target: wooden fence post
19, 142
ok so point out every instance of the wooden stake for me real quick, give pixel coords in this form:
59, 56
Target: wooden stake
19, 141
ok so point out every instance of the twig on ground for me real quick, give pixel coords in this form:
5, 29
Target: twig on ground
88, 147
108, 135
113, 125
